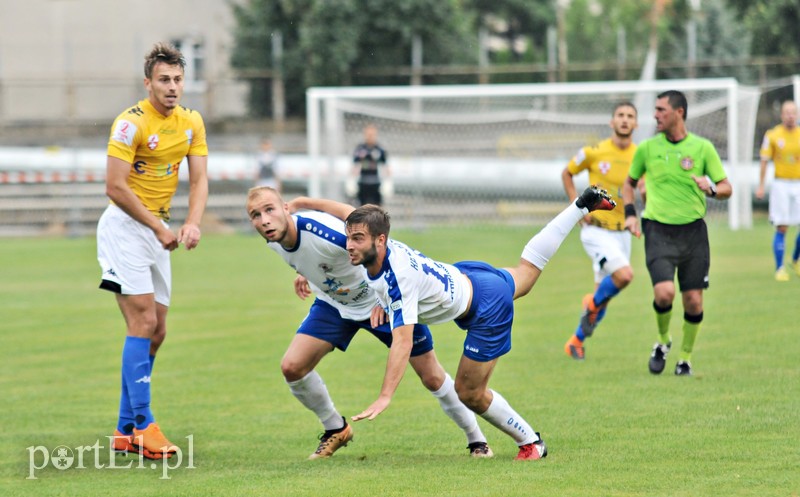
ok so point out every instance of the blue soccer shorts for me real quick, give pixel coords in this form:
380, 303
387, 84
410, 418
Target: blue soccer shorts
488, 321
325, 322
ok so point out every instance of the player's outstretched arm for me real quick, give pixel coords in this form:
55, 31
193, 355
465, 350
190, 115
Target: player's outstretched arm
399, 353
332, 207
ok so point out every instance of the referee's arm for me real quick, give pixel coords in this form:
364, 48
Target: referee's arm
631, 219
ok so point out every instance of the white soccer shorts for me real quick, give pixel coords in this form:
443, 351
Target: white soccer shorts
609, 250
784, 202
131, 256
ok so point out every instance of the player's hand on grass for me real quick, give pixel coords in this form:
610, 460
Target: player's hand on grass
372, 411
301, 287
189, 235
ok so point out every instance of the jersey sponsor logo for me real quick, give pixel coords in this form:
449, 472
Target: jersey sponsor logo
138, 166
396, 305
687, 163
363, 292
152, 142
604, 167
124, 132
189, 136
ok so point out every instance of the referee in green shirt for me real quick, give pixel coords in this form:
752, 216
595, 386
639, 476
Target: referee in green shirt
682, 170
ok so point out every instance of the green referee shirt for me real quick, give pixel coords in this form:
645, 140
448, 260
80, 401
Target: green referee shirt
672, 195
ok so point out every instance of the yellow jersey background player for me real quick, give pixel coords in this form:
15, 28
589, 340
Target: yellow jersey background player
147, 145
603, 232
781, 145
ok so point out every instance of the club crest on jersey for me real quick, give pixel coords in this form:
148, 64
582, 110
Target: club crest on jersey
687, 163
152, 142
604, 167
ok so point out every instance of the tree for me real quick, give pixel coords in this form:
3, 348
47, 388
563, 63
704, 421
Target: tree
592, 27
527, 19
256, 22
327, 42
719, 38
773, 25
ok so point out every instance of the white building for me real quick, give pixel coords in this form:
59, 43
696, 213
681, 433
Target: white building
81, 61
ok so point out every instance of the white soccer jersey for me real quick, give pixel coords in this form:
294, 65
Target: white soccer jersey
320, 255
415, 289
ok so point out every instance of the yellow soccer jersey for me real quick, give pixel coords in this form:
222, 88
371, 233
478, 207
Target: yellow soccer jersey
608, 168
782, 147
155, 145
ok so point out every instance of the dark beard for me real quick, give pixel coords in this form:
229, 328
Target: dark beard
370, 256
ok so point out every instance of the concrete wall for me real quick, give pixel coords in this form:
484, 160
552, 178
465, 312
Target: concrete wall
82, 60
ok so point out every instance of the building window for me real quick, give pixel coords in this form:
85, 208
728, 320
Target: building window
195, 71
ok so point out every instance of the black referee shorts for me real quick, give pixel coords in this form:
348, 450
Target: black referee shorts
683, 247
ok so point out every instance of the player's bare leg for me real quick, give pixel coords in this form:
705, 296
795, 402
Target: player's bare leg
298, 368
472, 380
442, 386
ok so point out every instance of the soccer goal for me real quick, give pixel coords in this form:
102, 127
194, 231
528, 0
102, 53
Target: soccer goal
494, 153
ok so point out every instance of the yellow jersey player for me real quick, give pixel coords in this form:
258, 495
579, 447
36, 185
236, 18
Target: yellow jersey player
781, 145
603, 234
147, 145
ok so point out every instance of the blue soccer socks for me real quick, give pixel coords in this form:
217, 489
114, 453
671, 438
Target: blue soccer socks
126, 420
606, 290
136, 369
778, 248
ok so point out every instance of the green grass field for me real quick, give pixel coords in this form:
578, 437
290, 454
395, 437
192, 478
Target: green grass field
611, 427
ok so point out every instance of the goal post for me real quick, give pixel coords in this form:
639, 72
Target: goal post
495, 152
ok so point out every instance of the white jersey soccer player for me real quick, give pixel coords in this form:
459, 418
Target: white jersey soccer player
477, 297
440, 290
320, 256
313, 243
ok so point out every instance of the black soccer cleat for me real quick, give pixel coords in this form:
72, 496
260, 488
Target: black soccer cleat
658, 359
595, 199
480, 450
683, 368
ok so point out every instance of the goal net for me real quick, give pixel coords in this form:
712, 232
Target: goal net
488, 154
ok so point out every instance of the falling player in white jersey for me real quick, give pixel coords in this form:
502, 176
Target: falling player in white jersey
479, 298
313, 243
